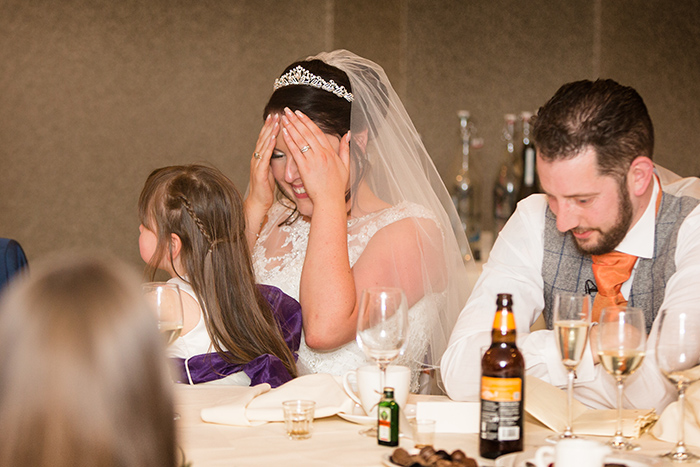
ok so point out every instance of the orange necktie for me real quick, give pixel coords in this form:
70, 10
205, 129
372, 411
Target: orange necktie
611, 270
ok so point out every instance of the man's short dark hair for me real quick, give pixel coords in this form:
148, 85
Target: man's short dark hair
603, 115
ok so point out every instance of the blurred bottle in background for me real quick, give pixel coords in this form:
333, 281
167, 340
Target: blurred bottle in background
466, 189
528, 181
505, 188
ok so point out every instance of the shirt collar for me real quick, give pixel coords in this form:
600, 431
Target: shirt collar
639, 241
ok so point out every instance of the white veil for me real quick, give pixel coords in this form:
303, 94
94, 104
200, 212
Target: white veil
399, 170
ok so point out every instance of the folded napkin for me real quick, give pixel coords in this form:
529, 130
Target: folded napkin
547, 404
666, 428
260, 404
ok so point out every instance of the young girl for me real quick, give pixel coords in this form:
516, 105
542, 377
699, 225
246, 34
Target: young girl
236, 332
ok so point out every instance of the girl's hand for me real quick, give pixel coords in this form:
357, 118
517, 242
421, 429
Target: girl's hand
262, 183
323, 169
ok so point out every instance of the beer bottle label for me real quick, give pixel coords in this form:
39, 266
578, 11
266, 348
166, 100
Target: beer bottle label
501, 408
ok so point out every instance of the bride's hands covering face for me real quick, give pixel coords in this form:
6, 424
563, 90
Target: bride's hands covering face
323, 169
262, 183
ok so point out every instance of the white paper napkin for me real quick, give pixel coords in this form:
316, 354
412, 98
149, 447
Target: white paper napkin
260, 405
666, 428
233, 411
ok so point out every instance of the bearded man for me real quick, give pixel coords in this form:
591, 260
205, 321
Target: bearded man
602, 197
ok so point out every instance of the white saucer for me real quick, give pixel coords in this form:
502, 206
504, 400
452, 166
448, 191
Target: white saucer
627, 459
358, 416
359, 419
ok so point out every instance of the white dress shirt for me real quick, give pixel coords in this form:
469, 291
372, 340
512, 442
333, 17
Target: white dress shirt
515, 267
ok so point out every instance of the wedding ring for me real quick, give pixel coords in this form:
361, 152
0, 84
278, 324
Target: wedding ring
303, 149
257, 155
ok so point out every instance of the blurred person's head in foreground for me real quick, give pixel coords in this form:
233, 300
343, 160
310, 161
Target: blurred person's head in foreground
82, 373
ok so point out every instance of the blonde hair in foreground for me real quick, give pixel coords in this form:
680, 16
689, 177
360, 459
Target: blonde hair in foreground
83, 379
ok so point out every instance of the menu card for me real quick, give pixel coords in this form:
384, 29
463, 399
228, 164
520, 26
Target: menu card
547, 404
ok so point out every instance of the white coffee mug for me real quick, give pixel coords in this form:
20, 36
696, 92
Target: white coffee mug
368, 391
573, 452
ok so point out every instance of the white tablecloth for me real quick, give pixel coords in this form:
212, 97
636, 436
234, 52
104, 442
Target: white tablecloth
335, 442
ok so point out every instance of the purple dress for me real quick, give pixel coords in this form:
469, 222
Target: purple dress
263, 369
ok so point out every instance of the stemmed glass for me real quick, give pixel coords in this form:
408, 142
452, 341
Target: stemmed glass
678, 358
621, 342
165, 299
572, 319
382, 327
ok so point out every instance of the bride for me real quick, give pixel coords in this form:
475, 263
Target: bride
343, 196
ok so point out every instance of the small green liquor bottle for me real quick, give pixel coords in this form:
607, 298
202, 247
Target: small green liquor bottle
388, 419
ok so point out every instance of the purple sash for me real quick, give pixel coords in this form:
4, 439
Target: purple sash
262, 369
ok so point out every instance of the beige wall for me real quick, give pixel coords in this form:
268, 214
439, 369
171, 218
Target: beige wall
96, 94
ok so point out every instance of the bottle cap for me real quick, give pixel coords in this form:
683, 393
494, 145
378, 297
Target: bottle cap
389, 391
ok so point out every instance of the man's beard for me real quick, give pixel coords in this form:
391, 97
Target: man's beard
612, 237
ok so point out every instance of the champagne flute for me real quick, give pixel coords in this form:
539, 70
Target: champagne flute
165, 299
572, 319
678, 358
382, 328
621, 342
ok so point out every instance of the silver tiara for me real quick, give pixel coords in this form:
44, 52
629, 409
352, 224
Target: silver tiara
300, 75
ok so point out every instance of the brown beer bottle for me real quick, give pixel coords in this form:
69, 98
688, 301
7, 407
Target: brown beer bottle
502, 387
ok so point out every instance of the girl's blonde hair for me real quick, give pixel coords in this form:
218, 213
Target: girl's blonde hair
84, 380
204, 209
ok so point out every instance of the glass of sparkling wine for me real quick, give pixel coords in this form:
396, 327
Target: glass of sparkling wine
678, 358
165, 300
621, 339
382, 329
572, 319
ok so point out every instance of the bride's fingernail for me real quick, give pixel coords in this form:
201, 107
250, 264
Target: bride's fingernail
267, 119
287, 111
298, 112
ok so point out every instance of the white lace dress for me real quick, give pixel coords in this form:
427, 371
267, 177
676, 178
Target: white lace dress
278, 261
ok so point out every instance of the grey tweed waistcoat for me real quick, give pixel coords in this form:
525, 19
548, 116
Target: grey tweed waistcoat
564, 268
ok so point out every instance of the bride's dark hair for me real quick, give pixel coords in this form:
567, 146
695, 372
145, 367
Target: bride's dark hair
330, 112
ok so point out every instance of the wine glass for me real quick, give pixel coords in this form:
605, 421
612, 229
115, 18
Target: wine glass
165, 299
572, 318
621, 339
382, 328
678, 358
